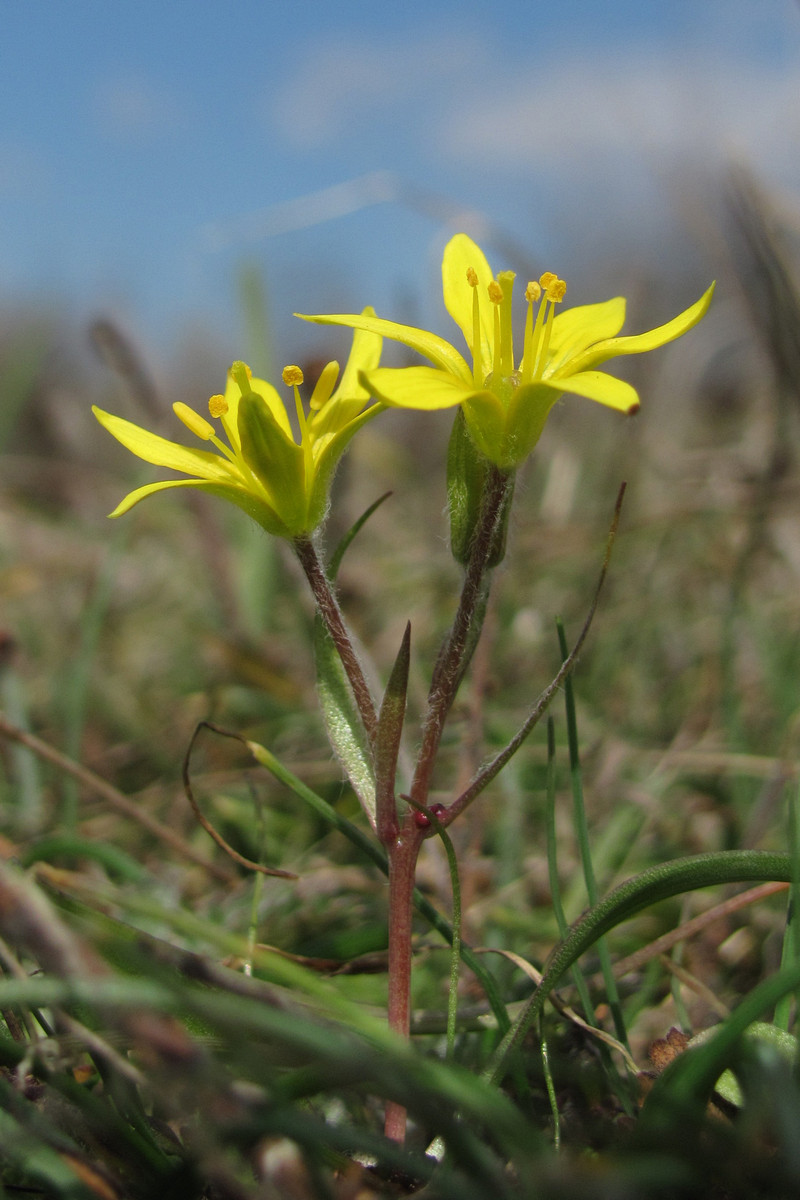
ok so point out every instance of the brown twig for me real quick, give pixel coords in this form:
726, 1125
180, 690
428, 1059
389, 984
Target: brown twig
110, 794
209, 828
688, 929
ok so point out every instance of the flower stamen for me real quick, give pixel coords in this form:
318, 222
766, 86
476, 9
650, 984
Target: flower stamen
506, 281
323, 388
554, 291
293, 377
472, 280
196, 424
496, 297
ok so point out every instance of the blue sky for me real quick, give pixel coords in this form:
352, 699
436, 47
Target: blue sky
149, 149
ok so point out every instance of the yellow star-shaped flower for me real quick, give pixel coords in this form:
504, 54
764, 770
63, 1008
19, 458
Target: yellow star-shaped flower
258, 465
505, 402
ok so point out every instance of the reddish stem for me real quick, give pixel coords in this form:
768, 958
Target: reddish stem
450, 665
403, 853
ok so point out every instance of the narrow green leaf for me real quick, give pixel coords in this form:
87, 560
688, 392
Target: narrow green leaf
581, 827
353, 531
387, 741
651, 886
342, 720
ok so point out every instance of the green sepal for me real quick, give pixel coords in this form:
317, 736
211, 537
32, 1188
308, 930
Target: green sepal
275, 460
467, 473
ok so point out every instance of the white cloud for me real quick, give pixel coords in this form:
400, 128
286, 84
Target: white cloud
466, 102
131, 108
641, 105
357, 80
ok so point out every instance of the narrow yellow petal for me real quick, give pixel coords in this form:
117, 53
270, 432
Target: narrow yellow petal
461, 255
128, 502
163, 453
640, 342
576, 328
434, 348
418, 387
597, 385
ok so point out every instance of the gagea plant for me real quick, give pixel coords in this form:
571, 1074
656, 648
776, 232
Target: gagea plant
279, 472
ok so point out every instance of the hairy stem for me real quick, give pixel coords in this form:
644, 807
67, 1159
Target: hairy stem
454, 655
403, 855
328, 608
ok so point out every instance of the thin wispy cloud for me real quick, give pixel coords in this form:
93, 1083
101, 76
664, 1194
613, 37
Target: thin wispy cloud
345, 84
637, 105
133, 108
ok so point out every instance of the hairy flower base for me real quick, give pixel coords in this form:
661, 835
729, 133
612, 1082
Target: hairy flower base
506, 402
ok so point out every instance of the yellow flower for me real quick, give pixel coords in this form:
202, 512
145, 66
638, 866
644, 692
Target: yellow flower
506, 405
262, 469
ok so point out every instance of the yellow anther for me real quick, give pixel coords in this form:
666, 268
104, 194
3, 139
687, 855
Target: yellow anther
292, 376
556, 290
218, 406
546, 279
323, 388
532, 292
495, 292
193, 421
472, 277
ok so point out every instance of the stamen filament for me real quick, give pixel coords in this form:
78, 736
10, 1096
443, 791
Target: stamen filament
506, 281
532, 294
496, 297
533, 351
226, 450
293, 376
477, 375
544, 345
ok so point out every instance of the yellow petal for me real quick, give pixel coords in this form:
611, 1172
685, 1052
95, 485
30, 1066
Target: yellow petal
365, 354
596, 385
460, 255
259, 510
577, 328
640, 342
427, 344
163, 453
326, 458
418, 387
351, 395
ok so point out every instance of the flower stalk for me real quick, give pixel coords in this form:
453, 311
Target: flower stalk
331, 614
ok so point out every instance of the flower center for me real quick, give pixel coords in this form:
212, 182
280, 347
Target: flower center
541, 297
